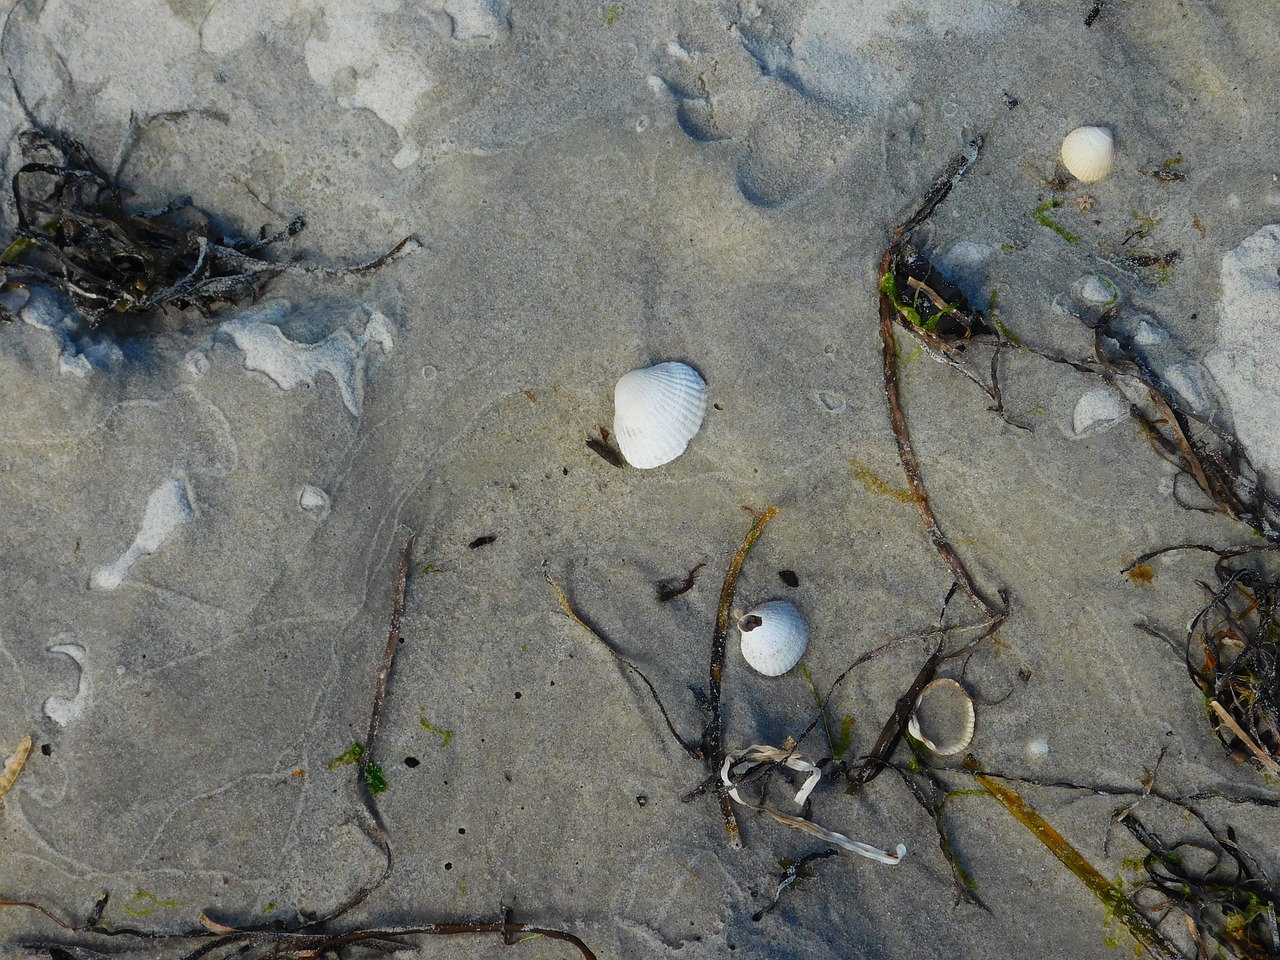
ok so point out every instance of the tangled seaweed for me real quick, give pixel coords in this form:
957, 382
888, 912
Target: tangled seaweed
76, 235
1232, 651
1212, 457
1232, 645
1219, 888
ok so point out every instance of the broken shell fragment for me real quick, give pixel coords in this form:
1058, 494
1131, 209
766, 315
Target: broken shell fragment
774, 637
657, 411
1088, 153
13, 766
943, 718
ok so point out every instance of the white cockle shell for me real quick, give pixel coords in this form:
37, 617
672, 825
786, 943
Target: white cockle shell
656, 412
943, 718
1088, 153
774, 637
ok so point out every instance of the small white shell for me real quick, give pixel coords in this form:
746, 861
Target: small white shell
1097, 408
1095, 291
774, 637
656, 412
1088, 153
312, 499
943, 717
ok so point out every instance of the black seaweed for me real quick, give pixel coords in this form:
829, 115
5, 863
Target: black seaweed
76, 234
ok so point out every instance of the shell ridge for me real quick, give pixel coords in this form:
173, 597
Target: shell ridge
657, 411
773, 637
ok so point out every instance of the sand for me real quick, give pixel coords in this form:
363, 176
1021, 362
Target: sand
202, 524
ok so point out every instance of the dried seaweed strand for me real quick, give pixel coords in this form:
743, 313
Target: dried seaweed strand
790, 876
1215, 459
1268, 762
293, 943
1114, 899
713, 737
693, 751
930, 793
891, 733
671, 588
28, 905
937, 635
377, 830
388, 655
306, 946
902, 435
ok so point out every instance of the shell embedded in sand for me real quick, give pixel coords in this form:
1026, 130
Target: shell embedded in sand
657, 411
774, 637
1088, 153
1093, 290
943, 718
1097, 408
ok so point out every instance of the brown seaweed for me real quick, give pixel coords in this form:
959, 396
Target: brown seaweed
895, 314
711, 749
672, 587
1118, 904
77, 235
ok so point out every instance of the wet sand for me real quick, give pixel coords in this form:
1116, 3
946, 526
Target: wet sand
595, 190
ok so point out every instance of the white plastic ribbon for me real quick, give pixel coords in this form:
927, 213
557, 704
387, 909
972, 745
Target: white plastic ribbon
763, 753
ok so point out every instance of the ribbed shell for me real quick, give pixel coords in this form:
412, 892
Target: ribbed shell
657, 411
774, 637
943, 718
1088, 153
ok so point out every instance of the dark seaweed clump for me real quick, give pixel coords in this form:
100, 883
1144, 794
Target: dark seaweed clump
76, 235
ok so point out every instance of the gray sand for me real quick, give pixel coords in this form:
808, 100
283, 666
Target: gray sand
597, 189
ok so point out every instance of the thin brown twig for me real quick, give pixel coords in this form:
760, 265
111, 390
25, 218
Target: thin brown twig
384, 674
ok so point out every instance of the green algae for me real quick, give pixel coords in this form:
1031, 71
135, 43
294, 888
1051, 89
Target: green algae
1043, 218
349, 756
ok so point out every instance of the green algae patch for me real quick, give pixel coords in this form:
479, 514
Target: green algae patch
151, 898
374, 778
1043, 218
877, 485
889, 287
351, 755
444, 735
993, 313
839, 742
